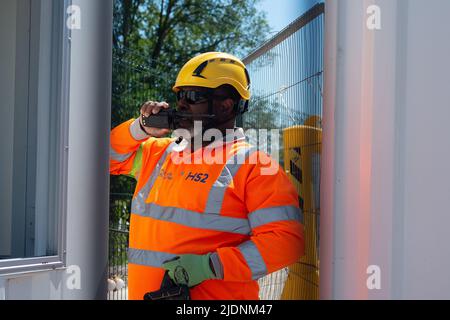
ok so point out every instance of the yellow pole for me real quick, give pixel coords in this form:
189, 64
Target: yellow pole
302, 147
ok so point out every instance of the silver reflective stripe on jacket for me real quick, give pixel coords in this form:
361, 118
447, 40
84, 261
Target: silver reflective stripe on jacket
273, 214
148, 257
254, 259
194, 219
217, 193
121, 157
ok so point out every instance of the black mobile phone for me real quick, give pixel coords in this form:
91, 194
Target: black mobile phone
170, 118
162, 119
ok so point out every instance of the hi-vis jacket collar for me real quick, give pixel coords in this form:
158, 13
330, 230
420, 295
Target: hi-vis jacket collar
237, 135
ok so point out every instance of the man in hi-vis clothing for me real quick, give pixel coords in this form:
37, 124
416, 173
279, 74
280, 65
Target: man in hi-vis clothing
220, 209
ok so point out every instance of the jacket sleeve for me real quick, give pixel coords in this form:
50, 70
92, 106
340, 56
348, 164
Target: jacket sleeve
277, 238
126, 149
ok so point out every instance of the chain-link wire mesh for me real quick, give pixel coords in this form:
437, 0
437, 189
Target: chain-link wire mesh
120, 205
286, 83
133, 83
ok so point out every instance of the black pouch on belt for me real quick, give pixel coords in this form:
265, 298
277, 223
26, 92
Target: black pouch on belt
169, 291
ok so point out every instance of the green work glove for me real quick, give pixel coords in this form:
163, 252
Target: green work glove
190, 269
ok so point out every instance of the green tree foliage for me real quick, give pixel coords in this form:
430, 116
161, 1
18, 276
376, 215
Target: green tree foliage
167, 33
171, 31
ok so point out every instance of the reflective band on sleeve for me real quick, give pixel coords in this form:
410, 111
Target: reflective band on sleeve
193, 219
254, 259
262, 216
118, 156
217, 265
136, 132
148, 257
217, 192
137, 163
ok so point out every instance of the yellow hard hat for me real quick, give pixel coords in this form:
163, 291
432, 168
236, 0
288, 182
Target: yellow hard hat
213, 69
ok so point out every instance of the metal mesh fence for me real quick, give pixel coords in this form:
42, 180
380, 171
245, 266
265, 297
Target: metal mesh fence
120, 205
134, 82
286, 83
287, 75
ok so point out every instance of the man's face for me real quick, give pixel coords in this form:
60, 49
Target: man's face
201, 107
220, 98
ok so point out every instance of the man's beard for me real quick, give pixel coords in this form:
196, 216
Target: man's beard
191, 130
196, 128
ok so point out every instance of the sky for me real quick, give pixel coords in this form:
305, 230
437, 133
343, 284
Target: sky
281, 13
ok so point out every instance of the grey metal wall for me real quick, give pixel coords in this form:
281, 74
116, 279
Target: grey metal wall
7, 88
386, 151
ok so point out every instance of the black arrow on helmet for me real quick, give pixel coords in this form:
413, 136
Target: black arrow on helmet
197, 72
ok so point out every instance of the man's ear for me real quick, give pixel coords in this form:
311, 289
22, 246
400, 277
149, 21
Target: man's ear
227, 105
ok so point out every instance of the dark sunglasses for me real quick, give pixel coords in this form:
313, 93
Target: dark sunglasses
191, 96
195, 97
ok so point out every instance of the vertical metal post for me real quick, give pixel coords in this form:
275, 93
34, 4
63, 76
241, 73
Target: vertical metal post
89, 127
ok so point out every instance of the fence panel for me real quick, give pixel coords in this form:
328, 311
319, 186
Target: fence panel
286, 82
120, 204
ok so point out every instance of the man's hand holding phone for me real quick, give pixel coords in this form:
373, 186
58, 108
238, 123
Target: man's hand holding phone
149, 108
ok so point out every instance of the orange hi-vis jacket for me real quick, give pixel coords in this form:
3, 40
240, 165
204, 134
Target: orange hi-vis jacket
186, 203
